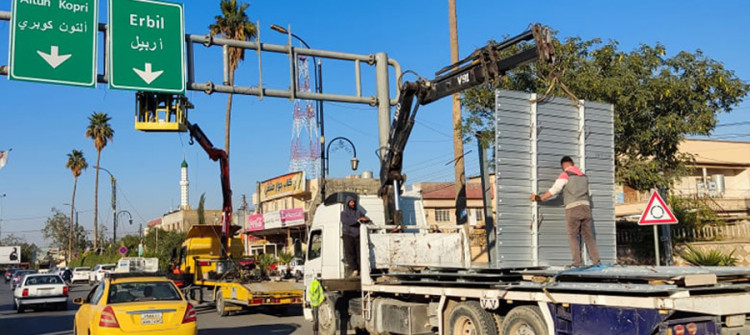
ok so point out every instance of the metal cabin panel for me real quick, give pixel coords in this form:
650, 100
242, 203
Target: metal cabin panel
600, 148
530, 140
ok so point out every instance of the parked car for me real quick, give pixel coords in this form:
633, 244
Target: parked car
9, 274
99, 271
18, 276
295, 268
40, 290
80, 274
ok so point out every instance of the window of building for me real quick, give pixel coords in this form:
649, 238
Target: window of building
442, 215
479, 214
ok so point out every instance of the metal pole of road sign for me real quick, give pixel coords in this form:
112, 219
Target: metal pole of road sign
656, 245
666, 235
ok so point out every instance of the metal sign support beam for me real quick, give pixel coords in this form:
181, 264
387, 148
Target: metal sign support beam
379, 60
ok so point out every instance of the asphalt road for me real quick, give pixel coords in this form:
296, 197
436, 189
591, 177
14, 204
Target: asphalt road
48, 322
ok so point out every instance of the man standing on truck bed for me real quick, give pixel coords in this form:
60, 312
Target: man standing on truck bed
575, 188
351, 217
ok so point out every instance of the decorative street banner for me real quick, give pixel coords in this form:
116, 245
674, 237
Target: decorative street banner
292, 217
281, 186
254, 222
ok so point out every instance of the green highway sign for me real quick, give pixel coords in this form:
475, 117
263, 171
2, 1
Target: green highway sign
54, 41
146, 43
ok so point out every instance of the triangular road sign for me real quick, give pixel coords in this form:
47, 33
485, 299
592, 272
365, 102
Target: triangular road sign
657, 212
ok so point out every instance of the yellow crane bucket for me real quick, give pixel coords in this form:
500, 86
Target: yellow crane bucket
159, 112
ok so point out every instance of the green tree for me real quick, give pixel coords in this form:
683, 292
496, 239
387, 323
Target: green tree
76, 163
57, 231
101, 132
233, 24
162, 244
27, 249
658, 100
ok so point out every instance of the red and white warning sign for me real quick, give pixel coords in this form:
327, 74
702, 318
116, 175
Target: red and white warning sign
657, 212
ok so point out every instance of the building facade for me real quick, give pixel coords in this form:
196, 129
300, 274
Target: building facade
719, 173
285, 206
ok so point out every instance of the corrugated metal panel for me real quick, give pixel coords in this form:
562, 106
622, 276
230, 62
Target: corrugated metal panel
536, 234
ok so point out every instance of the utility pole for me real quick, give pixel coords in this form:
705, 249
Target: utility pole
458, 145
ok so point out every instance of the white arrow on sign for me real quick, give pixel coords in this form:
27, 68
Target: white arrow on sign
147, 75
54, 59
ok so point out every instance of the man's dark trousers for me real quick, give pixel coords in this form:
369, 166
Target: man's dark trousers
351, 252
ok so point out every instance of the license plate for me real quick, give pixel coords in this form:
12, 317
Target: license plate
151, 319
44, 291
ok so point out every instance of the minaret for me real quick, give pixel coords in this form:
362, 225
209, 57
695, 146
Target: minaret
184, 203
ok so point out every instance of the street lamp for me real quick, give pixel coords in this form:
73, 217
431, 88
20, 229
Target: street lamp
318, 73
130, 220
114, 202
71, 235
354, 161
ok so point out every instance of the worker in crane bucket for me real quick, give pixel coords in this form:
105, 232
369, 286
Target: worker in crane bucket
351, 218
574, 186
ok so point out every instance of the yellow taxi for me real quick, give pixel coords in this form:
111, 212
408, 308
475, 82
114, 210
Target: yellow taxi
135, 303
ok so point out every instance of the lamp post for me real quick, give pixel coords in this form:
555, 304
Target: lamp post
130, 219
1, 213
114, 202
318, 74
354, 161
72, 231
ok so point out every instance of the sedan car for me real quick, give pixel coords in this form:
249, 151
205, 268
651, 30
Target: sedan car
80, 274
99, 271
18, 277
40, 290
131, 304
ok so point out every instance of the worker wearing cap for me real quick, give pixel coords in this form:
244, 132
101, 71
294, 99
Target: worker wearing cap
574, 186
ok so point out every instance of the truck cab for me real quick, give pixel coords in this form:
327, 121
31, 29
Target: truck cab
325, 255
197, 258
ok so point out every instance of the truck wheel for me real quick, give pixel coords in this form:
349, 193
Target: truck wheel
524, 320
329, 318
220, 305
470, 318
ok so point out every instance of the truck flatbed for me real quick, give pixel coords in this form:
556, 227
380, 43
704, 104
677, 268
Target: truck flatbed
274, 286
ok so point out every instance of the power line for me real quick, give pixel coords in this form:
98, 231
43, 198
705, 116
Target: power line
741, 123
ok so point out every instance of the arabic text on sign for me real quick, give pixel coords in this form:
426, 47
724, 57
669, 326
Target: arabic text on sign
80, 27
146, 45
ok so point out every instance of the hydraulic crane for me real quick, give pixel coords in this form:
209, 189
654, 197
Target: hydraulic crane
483, 66
159, 112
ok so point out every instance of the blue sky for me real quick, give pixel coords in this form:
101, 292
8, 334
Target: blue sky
42, 123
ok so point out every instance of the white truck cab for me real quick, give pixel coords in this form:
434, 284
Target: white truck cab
325, 255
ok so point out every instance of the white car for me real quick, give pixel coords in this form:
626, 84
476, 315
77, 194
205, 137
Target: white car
40, 290
296, 268
99, 271
81, 274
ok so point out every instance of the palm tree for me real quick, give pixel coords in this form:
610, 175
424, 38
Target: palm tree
76, 163
233, 24
101, 132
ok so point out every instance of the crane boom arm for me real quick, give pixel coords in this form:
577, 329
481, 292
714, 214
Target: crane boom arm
215, 154
483, 66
